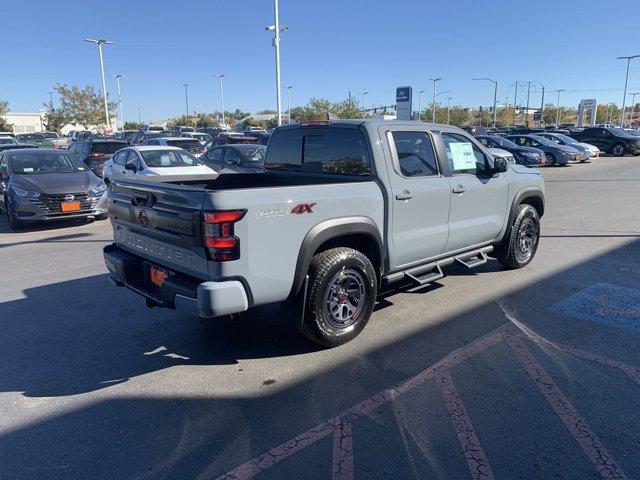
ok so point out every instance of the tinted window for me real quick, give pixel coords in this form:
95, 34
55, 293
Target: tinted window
132, 158
186, 144
107, 148
337, 151
215, 154
231, 156
119, 157
415, 154
463, 156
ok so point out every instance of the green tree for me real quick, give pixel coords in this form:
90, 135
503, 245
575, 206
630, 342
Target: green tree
55, 118
181, 121
266, 111
204, 120
347, 109
132, 126
4, 125
83, 106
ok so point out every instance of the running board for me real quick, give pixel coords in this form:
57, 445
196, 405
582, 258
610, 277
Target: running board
425, 273
430, 272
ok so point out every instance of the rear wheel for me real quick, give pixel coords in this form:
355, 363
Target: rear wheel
618, 150
341, 296
518, 249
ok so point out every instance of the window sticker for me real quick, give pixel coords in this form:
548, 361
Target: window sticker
462, 156
27, 169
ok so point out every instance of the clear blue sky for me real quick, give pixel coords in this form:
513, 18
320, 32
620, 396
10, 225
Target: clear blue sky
331, 47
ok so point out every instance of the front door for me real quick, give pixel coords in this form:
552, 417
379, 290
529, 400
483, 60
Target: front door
479, 198
419, 198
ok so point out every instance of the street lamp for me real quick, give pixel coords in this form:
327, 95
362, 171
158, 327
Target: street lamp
633, 104
101, 42
434, 102
448, 106
139, 118
558, 106
495, 93
433, 112
420, 104
289, 87
118, 76
221, 76
186, 97
626, 81
363, 93
277, 29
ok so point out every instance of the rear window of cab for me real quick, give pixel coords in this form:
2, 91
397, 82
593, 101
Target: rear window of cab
332, 151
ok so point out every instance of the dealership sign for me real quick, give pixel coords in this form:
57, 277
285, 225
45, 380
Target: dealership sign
404, 97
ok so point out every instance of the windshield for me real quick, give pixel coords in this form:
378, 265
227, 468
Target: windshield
564, 138
169, 158
619, 132
543, 141
186, 144
8, 140
108, 148
254, 154
503, 142
36, 162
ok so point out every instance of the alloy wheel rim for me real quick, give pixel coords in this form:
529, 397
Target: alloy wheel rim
344, 299
527, 239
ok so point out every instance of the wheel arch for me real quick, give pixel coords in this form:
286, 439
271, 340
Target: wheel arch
359, 233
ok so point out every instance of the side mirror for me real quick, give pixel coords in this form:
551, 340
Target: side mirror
500, 165
131, 167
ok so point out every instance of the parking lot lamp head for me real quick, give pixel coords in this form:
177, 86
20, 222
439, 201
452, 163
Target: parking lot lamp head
118, 76
626, 81
101, 42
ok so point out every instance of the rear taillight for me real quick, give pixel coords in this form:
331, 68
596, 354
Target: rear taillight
219, 238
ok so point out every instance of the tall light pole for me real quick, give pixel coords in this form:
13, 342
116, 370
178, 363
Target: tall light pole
433, 111
276, 28
526, 113
558, 105
221, 76
541, 106
363, 93
434, 101
495, 95
420, 104
101, 42
449, 105
118, 76
515, 101
633, 104
289, 87
186, 97
626, 81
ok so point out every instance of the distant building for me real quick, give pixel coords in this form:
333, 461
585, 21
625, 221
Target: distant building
35, 122
266, 117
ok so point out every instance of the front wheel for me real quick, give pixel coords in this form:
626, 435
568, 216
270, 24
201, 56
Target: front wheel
549, 160
14, 222
618, 150
520, 246
341, 296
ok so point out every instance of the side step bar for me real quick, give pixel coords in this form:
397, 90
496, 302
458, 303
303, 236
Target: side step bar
430, 272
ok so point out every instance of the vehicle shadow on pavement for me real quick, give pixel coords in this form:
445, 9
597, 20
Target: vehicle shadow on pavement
41, 226
70, 349
507, 418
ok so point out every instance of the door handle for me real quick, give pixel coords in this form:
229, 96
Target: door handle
405, 195
458, 189
123, 172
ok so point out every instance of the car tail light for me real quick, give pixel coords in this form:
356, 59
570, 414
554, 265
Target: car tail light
219, 238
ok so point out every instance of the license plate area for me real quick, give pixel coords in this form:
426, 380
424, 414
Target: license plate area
157, 275
70, 206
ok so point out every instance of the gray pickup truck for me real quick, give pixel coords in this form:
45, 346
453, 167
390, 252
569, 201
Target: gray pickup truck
342, 209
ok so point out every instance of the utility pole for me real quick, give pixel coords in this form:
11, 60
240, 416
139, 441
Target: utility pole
558, 106
420, 104
433, 111
626, 81
101, 42
495, 95
118, 76
363, 93
289, 87
139, 117
186, 97
526, 113
276, 28
449, 105
541, 106
221, 76
515, 101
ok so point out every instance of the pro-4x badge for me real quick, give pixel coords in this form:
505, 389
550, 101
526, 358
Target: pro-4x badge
303, 208
299, 209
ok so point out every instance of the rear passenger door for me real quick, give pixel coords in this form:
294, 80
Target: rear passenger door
420, 196
479, 197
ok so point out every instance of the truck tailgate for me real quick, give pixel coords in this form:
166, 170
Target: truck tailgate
160, 222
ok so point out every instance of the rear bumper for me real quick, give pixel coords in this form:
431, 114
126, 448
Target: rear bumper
211, 298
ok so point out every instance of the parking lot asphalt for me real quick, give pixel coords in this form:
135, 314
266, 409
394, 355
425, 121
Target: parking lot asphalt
529, 374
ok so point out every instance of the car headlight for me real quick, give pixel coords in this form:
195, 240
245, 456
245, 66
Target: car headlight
99, 189
531, 154
25, 193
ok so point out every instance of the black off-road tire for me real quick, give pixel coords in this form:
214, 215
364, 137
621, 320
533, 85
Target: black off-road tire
326, 269
510, 252
104, 216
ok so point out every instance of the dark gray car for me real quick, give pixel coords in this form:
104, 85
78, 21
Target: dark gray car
47, 184
240, 158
